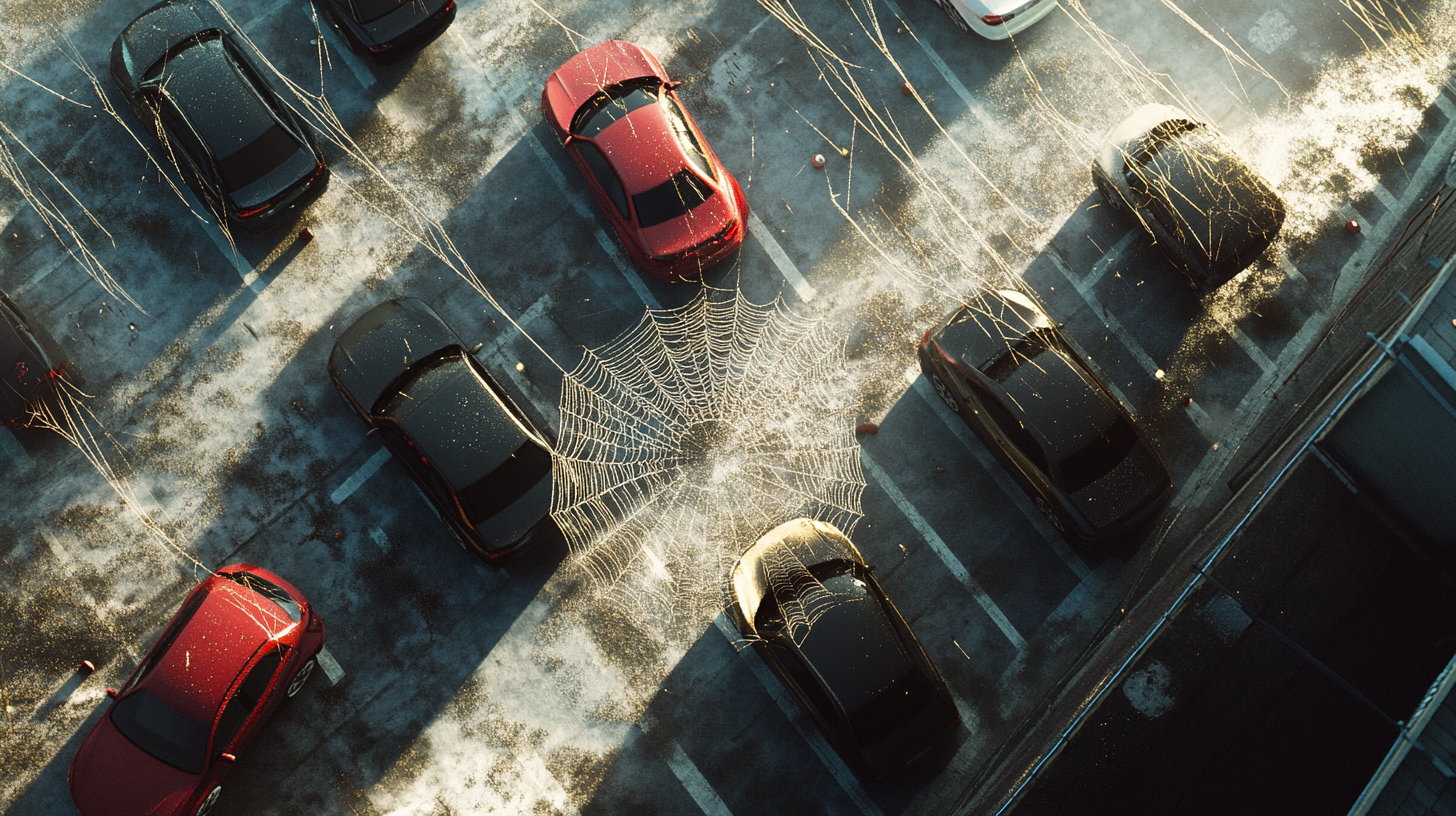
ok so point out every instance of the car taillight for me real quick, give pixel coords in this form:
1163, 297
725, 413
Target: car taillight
925, 338
993, 19
382, 48
254, 210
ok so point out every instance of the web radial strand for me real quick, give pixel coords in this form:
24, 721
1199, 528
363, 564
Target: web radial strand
691, 435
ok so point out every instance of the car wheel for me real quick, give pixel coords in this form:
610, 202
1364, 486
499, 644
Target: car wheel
206, 806
301, 677
944, 391
954, 15
1051, 514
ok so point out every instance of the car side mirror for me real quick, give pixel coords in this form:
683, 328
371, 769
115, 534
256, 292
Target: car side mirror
111, 692
227, 756
372, 431
672, 84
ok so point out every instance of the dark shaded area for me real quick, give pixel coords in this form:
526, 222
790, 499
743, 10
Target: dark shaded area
1254, 727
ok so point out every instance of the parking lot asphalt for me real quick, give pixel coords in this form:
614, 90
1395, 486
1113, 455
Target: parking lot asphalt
213, 435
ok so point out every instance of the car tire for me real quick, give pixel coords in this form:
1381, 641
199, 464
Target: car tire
945, 393
206, 806
1050, 513
301, 676
954, 15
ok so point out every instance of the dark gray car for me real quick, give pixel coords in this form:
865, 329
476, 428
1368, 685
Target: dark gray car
189, 79
1210, 213
1002, 365
388, 30
803, 596
474, 454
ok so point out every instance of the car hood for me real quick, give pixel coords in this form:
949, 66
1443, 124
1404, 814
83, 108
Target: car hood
155, 31
383, 343
610, 63
112, 777
1136, 481
409, 14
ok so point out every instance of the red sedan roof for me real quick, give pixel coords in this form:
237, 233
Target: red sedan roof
213, 648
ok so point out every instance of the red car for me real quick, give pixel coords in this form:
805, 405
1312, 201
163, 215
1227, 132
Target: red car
242, 642
668, 197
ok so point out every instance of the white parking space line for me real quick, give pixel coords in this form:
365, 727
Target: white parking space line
11, 448
39, 275
1290, 270
1252, 349
1012, 490
1113, 258
946, 556
574, 196
948, 75
1447, 106
787, 704
339, 48
331, 667
1384, 197
379, 538
780, 258
695, 783
360, 476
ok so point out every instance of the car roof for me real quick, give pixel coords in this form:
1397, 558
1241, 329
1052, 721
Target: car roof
853, 647
202, 81
457, 421
642, 149
1058, 402
385, 341
214, 646
1228, 209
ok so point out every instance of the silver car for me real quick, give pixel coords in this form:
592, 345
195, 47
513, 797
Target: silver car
996, 19
1208, 211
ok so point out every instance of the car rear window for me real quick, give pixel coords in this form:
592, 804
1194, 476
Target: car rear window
506, 484
257, 158
670, 199
269, 590
890, 709
606, 107
161, 730
367, 11
1099, 456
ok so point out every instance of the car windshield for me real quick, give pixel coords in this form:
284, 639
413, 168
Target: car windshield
506, 484
161, 730
1099, 456
670, 199
367, 11
270, 591
607, 106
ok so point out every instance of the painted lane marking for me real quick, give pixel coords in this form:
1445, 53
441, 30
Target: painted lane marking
1384, 197
1290, 270
39, 275
780, 258
695, 783
949, 76
331, 667
1252, 349
1003, 480
360, 476
797, 718
946, 556
379, 538
1113, 258
337, 46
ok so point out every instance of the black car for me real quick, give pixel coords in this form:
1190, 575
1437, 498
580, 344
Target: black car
32, 363
387, 30
247, 155
805, 599
472, 451
1210, 213
1002, 365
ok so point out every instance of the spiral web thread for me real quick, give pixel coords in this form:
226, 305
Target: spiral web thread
690, 436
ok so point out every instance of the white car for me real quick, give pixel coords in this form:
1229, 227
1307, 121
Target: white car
996, 19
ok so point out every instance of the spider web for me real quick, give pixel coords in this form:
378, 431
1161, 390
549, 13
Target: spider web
691, 435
